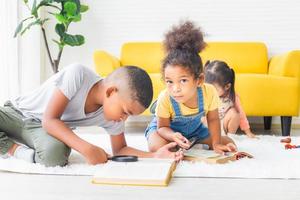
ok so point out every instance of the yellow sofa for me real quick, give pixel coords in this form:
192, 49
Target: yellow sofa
267, 87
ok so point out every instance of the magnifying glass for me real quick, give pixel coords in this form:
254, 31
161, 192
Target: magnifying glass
123, 158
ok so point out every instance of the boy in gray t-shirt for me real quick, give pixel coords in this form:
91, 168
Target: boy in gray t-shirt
76, 96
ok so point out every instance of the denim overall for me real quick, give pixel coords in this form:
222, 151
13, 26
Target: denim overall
189, 125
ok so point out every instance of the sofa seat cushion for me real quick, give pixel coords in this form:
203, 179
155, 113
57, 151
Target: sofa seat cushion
266, 95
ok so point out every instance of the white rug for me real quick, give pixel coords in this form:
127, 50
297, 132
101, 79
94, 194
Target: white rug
271, 160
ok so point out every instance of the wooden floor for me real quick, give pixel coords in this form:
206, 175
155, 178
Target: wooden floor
44, 187
31, 187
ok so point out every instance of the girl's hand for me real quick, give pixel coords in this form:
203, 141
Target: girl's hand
164, 152
221, 148
249, 133
181, 140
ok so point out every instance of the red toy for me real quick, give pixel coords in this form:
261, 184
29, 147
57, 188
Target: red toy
291, 146
288, 144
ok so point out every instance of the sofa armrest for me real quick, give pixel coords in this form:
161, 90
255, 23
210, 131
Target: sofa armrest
105, 63
287, 64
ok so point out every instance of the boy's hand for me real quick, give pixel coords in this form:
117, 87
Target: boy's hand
221, 148
181, 140
164, 152
96, 155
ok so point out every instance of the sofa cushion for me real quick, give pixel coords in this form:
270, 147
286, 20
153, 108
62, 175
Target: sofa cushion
268, 95
243, 57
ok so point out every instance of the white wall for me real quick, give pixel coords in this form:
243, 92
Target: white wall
30, 56
20, 58
108, 24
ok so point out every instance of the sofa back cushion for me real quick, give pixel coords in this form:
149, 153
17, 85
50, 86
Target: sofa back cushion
243, 57
147, 55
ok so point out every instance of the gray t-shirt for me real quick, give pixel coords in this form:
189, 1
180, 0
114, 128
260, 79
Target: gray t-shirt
75, 82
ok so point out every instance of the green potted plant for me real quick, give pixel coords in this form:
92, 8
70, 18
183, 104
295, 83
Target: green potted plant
65, 12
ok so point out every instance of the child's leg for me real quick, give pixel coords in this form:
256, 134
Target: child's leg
6, 144
10, 126
49, 151
155, 141
231, 121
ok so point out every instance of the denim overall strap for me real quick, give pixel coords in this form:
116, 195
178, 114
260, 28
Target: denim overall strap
176, 106
200, 100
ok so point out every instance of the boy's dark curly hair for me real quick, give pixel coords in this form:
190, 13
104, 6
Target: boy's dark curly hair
182, 45
140, 85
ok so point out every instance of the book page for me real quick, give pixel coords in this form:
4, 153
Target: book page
144, 169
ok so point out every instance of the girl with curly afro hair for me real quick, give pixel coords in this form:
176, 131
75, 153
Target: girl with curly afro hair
187, 99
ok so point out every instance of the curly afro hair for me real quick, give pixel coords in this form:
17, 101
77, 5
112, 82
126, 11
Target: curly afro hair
182, 44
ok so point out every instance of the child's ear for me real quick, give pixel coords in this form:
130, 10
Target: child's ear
111, 90
227, 86
201, 79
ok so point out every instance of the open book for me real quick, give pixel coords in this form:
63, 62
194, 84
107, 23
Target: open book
197, 153
146, 171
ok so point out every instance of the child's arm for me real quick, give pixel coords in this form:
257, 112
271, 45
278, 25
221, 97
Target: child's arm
214, 127
119, 147
167, 133
58, 129
244, 123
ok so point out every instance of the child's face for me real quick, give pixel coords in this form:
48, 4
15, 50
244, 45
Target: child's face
181, 84
118, 106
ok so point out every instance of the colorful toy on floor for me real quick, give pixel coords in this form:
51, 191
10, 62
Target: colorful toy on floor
286, 140
288, 144
291, 146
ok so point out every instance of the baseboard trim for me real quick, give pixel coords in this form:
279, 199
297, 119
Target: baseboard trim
143, 122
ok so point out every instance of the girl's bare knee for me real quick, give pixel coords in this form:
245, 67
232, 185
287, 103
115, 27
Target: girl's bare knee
232, 113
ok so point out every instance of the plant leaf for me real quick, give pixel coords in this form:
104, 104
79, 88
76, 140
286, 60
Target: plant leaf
61, 18
77, 2
45, 2
70, 8
25, 1
20, 26
73, 40
18, 29
60, 30
36, 22
76, 18
84, 8
48, 3
34, 9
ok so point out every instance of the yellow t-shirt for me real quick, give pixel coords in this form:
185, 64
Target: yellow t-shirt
165, 109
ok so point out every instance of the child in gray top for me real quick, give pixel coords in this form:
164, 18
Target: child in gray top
76, 96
